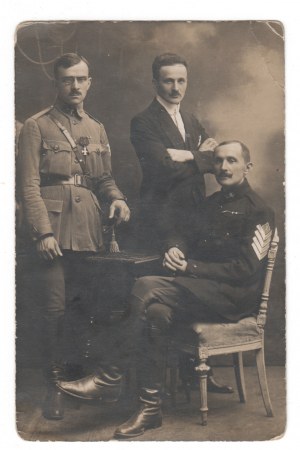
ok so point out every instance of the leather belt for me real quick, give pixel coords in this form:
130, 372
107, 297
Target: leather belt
76, 180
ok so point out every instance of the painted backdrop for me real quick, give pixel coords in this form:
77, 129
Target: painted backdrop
236, 89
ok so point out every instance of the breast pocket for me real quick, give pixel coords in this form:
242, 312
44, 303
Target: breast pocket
54, 208
56, 158
94, 159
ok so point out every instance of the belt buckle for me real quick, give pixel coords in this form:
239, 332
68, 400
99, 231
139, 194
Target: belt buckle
77, 179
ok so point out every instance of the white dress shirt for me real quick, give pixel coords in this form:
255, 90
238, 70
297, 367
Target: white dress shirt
174, 112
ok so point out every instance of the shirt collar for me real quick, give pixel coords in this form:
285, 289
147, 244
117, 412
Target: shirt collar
171, 109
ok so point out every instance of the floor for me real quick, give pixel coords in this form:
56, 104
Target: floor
228, 419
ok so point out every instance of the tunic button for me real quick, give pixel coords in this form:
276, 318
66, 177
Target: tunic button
195, 267
76, 161
75, 122
77, 199
56, 147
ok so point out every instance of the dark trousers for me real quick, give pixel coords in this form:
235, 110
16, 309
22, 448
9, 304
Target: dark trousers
155, 306
64, 287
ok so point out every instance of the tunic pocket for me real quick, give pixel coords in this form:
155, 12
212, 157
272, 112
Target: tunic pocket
54, 208
56, 158
94, 160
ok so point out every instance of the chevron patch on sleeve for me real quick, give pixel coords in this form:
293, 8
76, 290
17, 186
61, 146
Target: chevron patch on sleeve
261, 240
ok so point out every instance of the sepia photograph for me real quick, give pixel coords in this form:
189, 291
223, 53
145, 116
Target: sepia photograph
150, 230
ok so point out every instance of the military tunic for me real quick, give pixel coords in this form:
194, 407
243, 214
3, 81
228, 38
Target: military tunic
226, 251
71, 213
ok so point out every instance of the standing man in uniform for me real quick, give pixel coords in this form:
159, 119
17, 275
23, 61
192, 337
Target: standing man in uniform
216, 268
64, 163
174, 152
173, 149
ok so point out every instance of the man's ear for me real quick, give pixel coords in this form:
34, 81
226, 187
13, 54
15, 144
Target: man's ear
249, 166
90, 82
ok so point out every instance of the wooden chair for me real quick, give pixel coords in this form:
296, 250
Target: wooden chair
203, 340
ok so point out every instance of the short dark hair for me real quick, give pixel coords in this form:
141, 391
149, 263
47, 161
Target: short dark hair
166, 59
68, 60
244, 148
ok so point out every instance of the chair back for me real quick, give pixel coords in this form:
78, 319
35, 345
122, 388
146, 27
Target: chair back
262, 313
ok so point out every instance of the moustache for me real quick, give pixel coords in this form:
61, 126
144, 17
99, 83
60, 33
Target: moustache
74, 93
224, 174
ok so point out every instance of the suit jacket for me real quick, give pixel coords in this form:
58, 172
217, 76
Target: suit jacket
166, 182
227, 251
71, 213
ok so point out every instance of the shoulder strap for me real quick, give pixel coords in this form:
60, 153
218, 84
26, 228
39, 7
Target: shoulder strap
71, 142
42, 113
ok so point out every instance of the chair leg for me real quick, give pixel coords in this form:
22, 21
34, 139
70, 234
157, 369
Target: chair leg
262, 377
203, 370
239, 375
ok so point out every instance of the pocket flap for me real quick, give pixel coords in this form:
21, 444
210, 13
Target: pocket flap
98, 148
53, 205
56, 146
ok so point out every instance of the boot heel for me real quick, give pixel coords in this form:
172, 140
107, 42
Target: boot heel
54, 405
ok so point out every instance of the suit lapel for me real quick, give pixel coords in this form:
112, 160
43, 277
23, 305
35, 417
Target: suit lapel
167, 126
189, 131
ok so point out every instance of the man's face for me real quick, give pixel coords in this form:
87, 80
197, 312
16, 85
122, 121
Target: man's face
172, 83
73, 83
229, 165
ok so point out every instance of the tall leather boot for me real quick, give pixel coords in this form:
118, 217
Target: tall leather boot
146, 417
105, 384
53, 408
150, 373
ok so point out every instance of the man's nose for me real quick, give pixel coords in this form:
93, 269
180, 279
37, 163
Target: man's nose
75, 83
176, 86
224, 165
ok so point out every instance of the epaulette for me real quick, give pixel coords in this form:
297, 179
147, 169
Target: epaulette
42, 113
94, 118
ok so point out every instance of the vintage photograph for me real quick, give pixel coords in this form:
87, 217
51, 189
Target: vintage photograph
150, 230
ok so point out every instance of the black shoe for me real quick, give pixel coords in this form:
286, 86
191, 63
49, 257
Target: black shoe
101, 386
214, 386
147, 417
73, 371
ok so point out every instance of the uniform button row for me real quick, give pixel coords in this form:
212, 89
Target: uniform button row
77, 199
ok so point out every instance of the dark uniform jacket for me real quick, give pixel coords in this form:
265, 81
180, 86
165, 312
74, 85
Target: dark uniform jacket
226, 256
165, 181
71, 213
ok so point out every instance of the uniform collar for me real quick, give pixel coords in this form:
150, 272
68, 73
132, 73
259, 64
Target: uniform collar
235, 191
74, 111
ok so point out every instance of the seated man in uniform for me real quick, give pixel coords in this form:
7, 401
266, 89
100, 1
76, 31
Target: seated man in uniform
215, 273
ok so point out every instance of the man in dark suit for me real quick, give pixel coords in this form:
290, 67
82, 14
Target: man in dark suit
216, 267
173, 148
